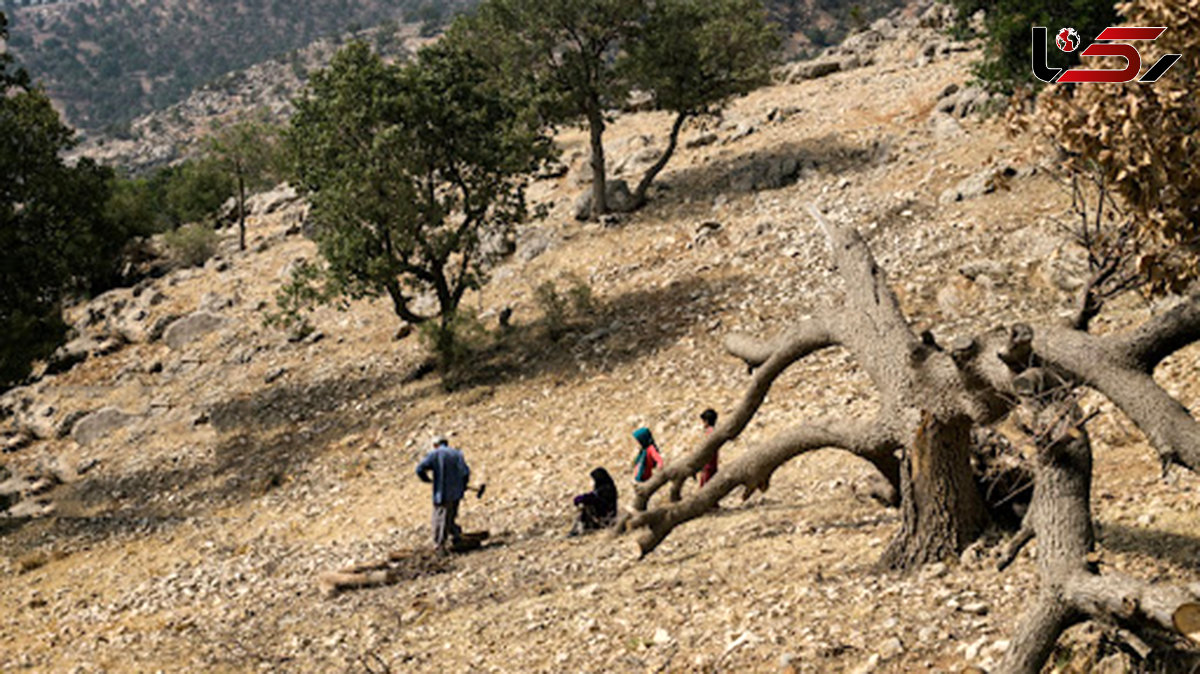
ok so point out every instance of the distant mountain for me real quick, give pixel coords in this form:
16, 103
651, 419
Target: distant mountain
813, 24
175, 133
106, 62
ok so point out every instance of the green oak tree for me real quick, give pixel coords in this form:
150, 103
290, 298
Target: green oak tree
249, 151
693, 56
408, 169
565, 55
580, 59
55, 239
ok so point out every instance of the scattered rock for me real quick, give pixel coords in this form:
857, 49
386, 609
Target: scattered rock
974, 608
16, 442
64, 427
274, 374
213, 303
190, 328
962, 102
765, 172
533, 243
975, 268
160, 326
98, 424
742, 130
553, 169
69, 355
86, 466
618, 197
265, 203
890, 648
979, 184
702, 140
809, 70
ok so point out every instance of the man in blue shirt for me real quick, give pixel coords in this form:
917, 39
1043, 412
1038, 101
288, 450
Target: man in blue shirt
450, 475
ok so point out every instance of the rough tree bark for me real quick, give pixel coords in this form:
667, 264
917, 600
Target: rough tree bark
931, 398
639, 194
1071, 589
595, 119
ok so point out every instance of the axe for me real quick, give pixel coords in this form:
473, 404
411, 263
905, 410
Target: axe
478, 490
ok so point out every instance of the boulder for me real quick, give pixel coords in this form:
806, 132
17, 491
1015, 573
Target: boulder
962, 102
212, 303
809, 70
99, 424
10, 490
160, 326
69, 355
765, 172
39, 422
533, 243
979, 184
707, 138
191, 327
619, 198
266, 203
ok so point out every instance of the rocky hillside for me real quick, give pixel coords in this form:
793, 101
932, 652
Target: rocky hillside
107, 61
186, 479
168, 135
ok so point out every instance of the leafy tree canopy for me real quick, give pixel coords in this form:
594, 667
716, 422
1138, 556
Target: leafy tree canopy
55, 239
408, 169
1007, 47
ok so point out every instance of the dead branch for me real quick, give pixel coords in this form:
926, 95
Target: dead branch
1071, 588
772, 358
1121, 367
753, 470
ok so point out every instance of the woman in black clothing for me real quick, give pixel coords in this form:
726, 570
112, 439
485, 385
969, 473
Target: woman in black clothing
597, 508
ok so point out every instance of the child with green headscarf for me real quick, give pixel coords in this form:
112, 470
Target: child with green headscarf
648, 457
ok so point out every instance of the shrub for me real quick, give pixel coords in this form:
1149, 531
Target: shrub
192, 245
1137, 141
453, 339
554, 309
1006, 54
559, 309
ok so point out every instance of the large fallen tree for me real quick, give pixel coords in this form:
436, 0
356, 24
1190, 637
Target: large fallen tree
932, 400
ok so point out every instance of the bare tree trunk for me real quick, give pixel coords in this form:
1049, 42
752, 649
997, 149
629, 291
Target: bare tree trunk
599, 179
241, 211
941, 507
931, 399
1060, 517
639, 195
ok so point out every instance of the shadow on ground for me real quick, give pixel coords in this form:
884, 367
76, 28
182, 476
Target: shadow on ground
1179, 549
619, 330
268, 439
768, 169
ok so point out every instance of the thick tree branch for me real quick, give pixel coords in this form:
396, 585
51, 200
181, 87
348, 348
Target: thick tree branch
639, 194
1115, 366
774, 357
753, 471
1163, 335
871, 323
1071, 588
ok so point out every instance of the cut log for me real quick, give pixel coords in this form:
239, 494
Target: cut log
1187, 621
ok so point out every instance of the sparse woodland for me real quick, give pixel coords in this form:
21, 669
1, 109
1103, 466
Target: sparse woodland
421, 183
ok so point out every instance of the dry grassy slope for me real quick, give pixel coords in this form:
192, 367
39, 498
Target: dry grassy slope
194, 546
